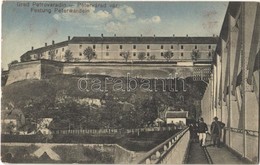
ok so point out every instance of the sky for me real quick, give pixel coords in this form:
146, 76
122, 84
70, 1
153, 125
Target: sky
25, 25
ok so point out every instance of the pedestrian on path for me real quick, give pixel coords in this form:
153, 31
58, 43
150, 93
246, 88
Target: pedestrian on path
193, 132
216, 131
202, 132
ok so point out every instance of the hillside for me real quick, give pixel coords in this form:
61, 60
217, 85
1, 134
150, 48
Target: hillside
60, 97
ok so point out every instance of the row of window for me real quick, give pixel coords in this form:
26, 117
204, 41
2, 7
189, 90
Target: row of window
134, 47
134, 54
148, 47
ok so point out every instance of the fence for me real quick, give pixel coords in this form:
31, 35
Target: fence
113, 131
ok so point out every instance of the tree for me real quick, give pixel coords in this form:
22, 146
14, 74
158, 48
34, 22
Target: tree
52, 54
168, 55
68, 55
125, 55
195, 54
26, 57
38, 56
89, 53
211, 53
141, 56
13, 62
152, 57
76, 71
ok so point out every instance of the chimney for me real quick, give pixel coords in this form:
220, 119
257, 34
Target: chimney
68, 38
53, 42
141, 35
88, 35
102, 35
114, 35
45, 44
187, 35
32, 47
154, 36
173, 35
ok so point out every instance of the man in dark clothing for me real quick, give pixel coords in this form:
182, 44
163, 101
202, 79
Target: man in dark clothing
202, 132
216, 131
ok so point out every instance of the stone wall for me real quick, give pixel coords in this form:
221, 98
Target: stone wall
23, 71
44, 68
33, 70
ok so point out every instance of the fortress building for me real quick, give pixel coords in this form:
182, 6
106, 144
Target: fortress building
109, 60
111, 48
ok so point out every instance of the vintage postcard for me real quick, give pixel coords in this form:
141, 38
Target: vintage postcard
130, 82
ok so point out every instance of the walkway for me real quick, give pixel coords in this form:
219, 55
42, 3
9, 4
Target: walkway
221, 155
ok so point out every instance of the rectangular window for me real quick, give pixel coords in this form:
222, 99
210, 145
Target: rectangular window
161, 53
171, 46
134, 46
107, 54
63, 49
181, 54
196, 47
181, 46
121, 46
80, 54
161, 46
148, 54
134, 54
209, 46
148, 46
107, 46
80, 46
120, 54
94, 46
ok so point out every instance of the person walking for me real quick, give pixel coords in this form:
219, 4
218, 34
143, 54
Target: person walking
216, 131
202, 132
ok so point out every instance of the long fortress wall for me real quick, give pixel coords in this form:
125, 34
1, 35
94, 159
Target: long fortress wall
42, 69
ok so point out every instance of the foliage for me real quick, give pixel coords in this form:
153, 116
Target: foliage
141, 56
10, 127
38, 56
52, 54
68, 56
59, 98
211, 53
76, 71
26, 57
195, 54
152, 57
125, 55
168, 55
13, 62
89, 53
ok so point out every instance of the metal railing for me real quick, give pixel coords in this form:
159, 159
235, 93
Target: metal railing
160, 153
239, 130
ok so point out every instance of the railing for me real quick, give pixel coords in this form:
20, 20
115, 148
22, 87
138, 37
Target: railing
248, 132
173, 149
113, 131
